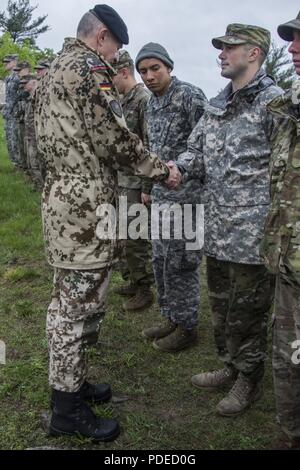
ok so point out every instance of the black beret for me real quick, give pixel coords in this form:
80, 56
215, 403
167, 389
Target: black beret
113, 21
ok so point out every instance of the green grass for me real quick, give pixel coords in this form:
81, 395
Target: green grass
157, 407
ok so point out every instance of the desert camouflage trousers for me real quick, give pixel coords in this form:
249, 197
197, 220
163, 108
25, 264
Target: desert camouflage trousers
240, 298
135, 255
177, 278
73, 323
286, 359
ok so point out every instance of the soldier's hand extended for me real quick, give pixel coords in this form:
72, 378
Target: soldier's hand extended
175, 177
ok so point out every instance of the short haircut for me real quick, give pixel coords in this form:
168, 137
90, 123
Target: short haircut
262, 57
88, 25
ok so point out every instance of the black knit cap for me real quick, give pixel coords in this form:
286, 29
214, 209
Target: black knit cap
113, 21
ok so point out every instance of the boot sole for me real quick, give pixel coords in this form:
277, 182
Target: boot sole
212, 389
140, 309
153, 338
53, 432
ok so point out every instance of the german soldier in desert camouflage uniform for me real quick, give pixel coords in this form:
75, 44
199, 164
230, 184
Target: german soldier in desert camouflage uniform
281, 245
135, 254
231, 147
83, 137
174, 109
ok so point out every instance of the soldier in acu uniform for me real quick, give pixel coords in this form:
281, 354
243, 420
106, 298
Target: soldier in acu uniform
231, 147
11, 90
23, 69
281, 245
135, 262
174, 109
83, 137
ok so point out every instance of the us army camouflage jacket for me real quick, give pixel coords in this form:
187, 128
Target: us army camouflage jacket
11, 91
134, 106
281, 244
170, 120
83, 138
230, 147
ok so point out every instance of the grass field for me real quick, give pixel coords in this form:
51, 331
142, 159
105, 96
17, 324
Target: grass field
157, 407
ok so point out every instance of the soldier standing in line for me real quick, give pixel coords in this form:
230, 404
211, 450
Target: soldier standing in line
83, 137
174, 109
23, 69
42, 67
29, 84
11, 90
281, 245
231, 147
135, 265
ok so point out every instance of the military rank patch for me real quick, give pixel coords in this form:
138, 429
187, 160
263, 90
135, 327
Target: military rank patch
105, 86
99, 68
116, 108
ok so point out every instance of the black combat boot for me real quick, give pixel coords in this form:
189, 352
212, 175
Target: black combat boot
94, 394
72, 416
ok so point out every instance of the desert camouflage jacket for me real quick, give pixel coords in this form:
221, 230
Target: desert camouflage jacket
230, 148
170, 120
83, 138
281, 244
134, 105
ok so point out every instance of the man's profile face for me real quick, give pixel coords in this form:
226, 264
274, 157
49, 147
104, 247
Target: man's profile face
234, 61
294, 49
156, 75
10, 65
110, 47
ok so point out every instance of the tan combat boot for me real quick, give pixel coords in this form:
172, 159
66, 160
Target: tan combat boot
165, 328
176, 341
215, 379
142, 299
127, 290
240, 397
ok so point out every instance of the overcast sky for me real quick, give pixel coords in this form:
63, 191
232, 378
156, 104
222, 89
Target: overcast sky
184, 27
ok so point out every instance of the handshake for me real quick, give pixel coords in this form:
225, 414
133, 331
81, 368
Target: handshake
175, 178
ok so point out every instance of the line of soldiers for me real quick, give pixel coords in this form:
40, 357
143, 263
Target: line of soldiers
18, 112
193, 151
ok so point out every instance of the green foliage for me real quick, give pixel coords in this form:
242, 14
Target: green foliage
25, 50
19, 23
279, 66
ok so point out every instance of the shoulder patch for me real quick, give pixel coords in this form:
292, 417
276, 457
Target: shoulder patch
116, 108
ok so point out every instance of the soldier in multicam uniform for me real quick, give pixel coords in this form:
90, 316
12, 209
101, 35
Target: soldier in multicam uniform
174, 109
82, 135
23, 69
135, 254
281, 246
29, 84
231, 147
11, 90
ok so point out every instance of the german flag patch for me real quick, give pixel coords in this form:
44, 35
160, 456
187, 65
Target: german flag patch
106, 86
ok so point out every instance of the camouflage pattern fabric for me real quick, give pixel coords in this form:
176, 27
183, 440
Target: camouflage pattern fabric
170, 121
230, 148
73, 323
83, 138
33, 160
11, 90
286, 373
134, 105
19, 113
240, 298
281, 252
237, 34
281, 244
135, 255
